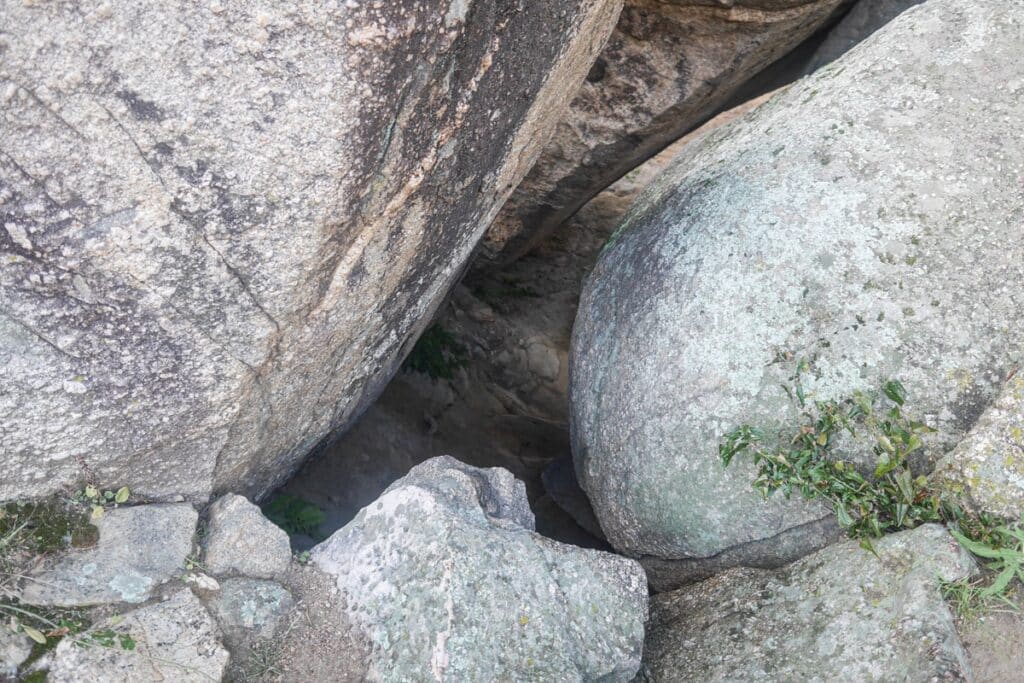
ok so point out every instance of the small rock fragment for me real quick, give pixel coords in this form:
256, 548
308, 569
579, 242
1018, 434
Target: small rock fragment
247, 608
242, 541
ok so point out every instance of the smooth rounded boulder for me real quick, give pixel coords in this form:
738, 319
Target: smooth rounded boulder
222, 223
868, 220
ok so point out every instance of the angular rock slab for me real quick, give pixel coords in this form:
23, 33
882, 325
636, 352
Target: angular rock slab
987, 467
139, 548
240, 540
446, 577
858, 220
175, 640
221, 223
840, 614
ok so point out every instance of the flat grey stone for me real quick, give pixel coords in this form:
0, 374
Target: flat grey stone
448, 581
139, 548
175, 640
840, 614
240, 540
249, 608
866, 219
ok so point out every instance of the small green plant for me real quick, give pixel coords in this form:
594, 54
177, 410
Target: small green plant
437, 354
100, 501
294, 515
866, 504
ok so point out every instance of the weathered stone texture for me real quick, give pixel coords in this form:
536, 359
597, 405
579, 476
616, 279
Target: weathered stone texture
221, 222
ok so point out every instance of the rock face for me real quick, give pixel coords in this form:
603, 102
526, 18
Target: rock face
175, 640
668, 66
240, 540
840, 614
863, 19
809, 229
446, 577
987, 466
219, 234
139, 549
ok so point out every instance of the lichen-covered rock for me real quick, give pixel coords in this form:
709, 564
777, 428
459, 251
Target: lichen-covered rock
221, 222
240, 540
139, 548
447, 579
986, 469
856, 220
249, 608
174, 640
668, 66
838, 615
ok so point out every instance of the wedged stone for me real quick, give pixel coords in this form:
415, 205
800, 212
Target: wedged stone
986, 469
447, 579
855, 220
840, 614
240, 540
669, 65
174, 640
222, 224
139, 548
250, 608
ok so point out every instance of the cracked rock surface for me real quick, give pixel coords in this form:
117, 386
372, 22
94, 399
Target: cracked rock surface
447, 579
220, 223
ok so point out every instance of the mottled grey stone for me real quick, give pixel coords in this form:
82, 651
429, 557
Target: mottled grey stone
175, 640
14, 649
139, 548
840, 614
250, 608
447, 579
668, 66
863, 19
986, 469
223, 223
867, 219
240, 540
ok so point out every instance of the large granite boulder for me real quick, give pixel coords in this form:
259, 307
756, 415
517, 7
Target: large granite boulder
668, 67
222, 222
447, 579
868, 219
841, 614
